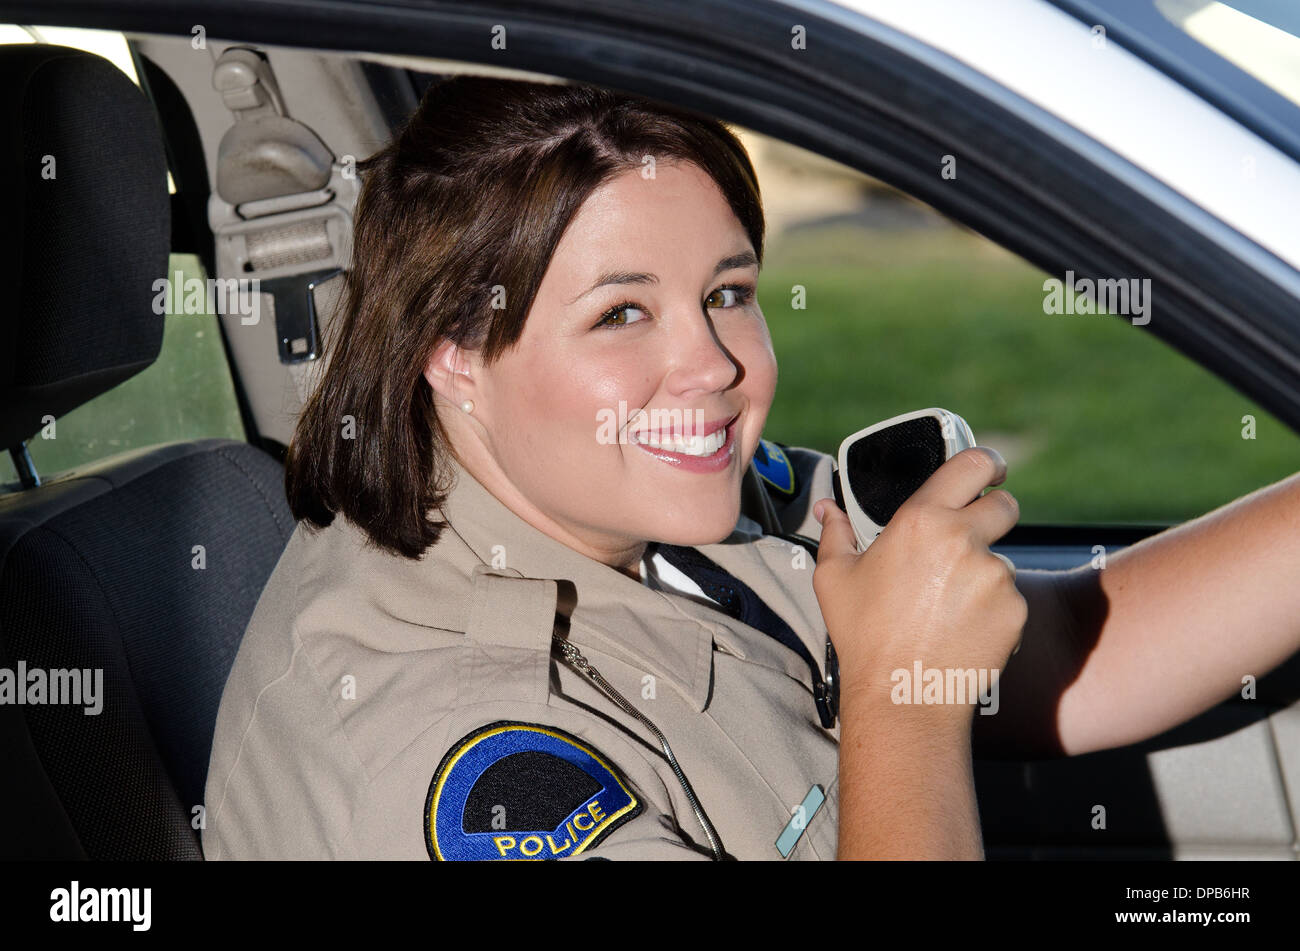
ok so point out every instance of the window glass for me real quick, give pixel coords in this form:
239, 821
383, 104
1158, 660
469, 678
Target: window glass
1260, 37
878, 305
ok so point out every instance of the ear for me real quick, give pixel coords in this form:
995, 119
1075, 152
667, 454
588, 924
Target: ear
452, 372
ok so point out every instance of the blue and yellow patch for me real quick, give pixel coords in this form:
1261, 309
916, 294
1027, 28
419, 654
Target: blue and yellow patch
522, 791
774, 467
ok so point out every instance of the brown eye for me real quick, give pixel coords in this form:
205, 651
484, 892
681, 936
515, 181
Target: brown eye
728, 296
611, 317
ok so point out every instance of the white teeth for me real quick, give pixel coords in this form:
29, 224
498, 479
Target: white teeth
686, 445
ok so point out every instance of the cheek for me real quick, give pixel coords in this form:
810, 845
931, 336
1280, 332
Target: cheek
562, 397
759, 360
528, 402
599, 383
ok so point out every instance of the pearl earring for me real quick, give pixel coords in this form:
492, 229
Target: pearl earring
467, 406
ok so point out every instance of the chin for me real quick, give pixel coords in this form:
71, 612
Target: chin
707, 530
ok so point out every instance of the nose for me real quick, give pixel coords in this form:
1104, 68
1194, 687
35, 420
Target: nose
698, 359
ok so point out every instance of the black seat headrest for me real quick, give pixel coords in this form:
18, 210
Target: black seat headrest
86, 232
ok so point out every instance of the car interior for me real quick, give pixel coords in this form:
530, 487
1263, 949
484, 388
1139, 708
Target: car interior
148, 563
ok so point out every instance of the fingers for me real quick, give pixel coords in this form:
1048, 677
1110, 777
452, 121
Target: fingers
992, 516
837, 538
1011, 567
963, 477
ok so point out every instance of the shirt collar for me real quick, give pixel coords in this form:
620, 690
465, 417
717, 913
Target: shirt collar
614, 612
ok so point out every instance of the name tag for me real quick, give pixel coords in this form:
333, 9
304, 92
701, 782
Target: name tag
803, 814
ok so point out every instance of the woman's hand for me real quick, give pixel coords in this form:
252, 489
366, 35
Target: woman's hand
929, 590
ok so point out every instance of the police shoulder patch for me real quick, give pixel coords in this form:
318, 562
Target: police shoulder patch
775, 468
522, 791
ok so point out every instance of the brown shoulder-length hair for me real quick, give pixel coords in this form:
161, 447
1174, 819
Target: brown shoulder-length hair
472, 194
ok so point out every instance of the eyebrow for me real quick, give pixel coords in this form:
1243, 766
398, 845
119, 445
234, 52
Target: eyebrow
743, 259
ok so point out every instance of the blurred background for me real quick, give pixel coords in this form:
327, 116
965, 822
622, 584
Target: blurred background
1099, 421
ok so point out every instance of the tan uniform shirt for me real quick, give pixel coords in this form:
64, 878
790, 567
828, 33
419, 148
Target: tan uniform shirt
361, 671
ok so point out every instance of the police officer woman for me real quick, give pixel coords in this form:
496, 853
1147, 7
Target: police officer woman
522, 614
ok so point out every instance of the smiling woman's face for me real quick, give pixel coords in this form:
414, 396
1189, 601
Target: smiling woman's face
547, 435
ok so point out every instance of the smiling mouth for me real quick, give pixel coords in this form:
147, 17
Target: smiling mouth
684, 445
703, 446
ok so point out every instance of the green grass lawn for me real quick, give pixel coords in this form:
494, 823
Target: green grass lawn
1108, 422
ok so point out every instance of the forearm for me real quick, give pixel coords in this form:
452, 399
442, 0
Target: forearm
1171, 626
906, 789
